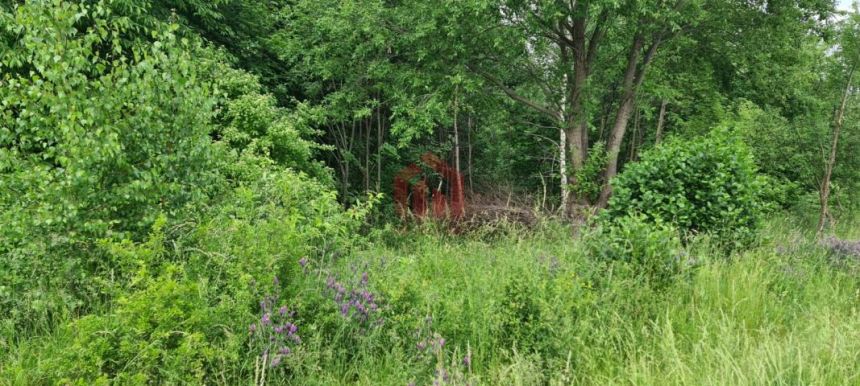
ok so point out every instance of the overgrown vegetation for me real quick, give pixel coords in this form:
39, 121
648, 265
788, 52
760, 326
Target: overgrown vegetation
198, 192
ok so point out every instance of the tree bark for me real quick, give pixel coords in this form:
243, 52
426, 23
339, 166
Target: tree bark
633, 77
636, 132
824, 193
457, 192
562, 167
379, 148
367, 125
469, 154
661, 119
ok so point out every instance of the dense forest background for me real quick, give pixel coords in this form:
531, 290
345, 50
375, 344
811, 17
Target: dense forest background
203, 192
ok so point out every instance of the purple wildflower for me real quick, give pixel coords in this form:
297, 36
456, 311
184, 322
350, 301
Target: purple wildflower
303, 261
266, 319
276, 361
283, 310
467, 360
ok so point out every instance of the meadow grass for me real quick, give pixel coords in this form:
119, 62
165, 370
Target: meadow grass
538, 310
535, 307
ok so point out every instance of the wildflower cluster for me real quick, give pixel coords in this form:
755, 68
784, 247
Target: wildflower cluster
276, 331
356, 302
432, 345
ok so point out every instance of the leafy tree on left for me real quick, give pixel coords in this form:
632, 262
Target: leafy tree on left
103, 128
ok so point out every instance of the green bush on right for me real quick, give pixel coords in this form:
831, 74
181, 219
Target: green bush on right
709, 185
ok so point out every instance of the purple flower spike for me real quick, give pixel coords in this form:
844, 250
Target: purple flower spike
364, 278
303, 262
266, 319
292, 328
344, 309
276, 360
283, 310
285, 351
467, 360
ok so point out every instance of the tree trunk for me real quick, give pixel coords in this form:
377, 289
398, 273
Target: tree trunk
379, 148
562, 167
633, 77
469, 154
824, 193
367, 125
661, 119
456, 135
458, 196
636, 133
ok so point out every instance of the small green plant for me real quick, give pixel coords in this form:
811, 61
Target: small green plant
652, 248
704, 186
589, 177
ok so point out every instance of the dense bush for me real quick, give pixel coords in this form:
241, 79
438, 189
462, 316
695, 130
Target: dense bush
653, 249
708, 185
99, 135
185, 297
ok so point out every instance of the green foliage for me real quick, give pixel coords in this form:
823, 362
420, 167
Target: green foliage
170, 331
103, 133
589, 177
648, 247
250, 123
796, 165
708, 185
98, 137
162, 189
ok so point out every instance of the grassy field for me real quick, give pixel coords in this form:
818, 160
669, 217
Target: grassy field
533, 308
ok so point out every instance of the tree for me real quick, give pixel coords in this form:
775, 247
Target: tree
848, 61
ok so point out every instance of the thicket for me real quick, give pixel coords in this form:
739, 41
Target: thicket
185, 187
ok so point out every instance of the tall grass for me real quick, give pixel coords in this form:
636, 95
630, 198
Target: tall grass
539, 310
536, 308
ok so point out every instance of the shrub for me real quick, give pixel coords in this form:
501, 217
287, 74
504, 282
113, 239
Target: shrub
705, 186
98, 137
651, 248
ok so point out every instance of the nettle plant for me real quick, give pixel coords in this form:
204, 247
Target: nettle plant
709, 185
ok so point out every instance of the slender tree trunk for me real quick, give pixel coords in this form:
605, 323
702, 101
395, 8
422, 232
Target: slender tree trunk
562, 167
456, 136
661, 119
562, 152
824, 193
469, 154
457, 210
379, 148
633, 77
367, 125
634, 136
